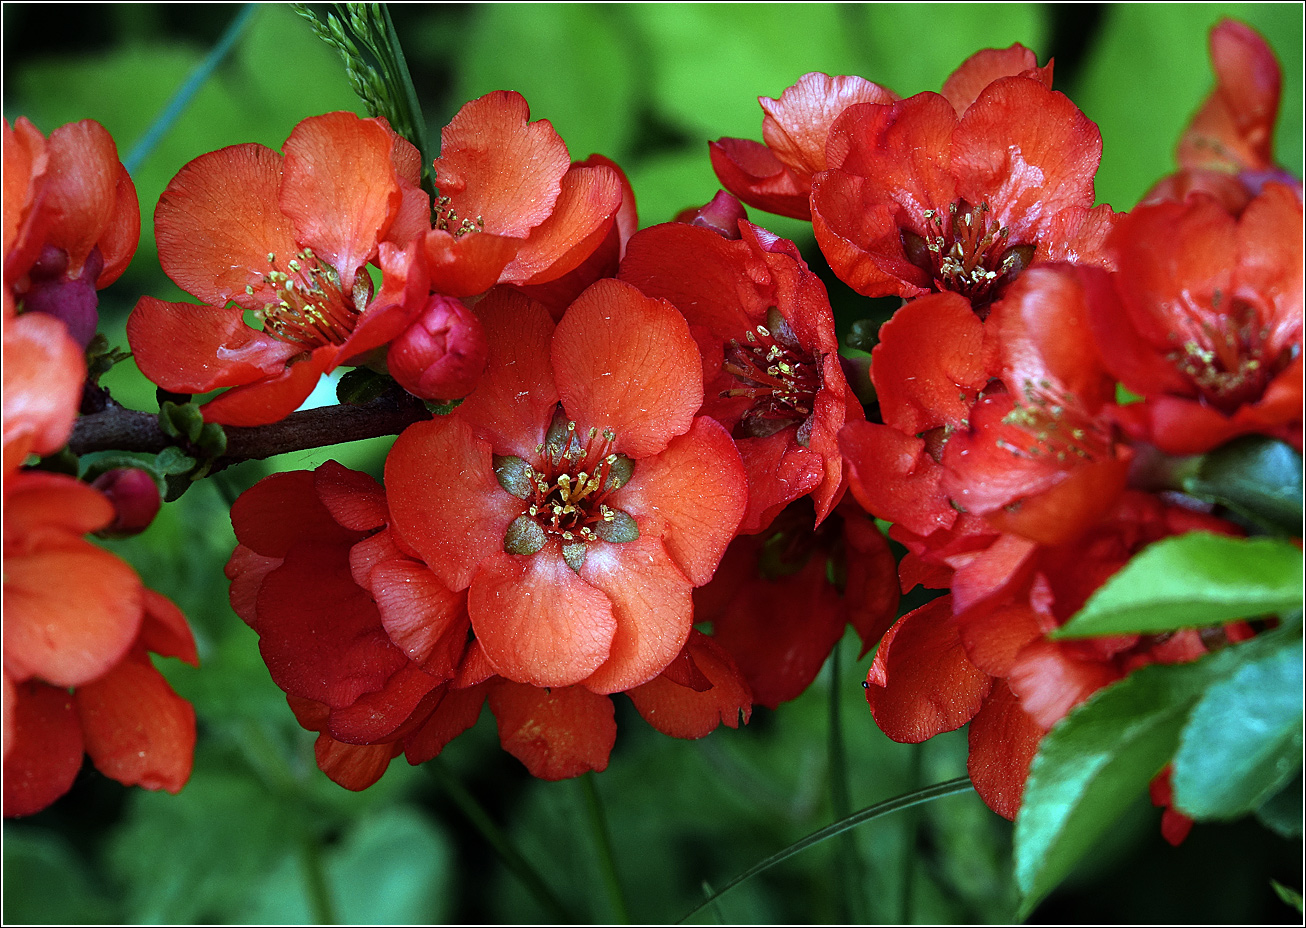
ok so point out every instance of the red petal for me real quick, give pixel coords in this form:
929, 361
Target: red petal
68, 633
752, 172
194, 349
683, 712
496, 166
45, 752
537, 621
921, 682
284, 510
515, 398
779, 471
81, 189
1050, 681
420, 614
319, 633
218, 220
273, 398
339, 189
379, 715
1003, 741
40, 504
138, 731
587, 204
986, 66
353, 766
354, 500
796, 126
455, 713
43, 375
246, 570
626, 362
893, 477
871, 593
25, 166
691, 496
164, 630
469, 264
651, 603
118, 242
556, 733
1027, 151
445, 500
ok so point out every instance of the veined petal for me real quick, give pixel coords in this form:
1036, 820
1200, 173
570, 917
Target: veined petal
557, 733
468, 264
626, 362
218, 220
497, 166
25, 164
81, 189
988, 65
272, 398
138, 730
684, 712
339, 189
421, 615
652, 605
587, 206
1003, 740
445, 500
353, 766
752, 172
194, 349
796, 126
43, 375
537, 621
43, 756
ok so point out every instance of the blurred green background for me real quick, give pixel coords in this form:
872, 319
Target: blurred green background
259, 835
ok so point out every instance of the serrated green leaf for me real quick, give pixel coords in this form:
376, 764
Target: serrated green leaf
1244, 739
1190, 581
1095, 761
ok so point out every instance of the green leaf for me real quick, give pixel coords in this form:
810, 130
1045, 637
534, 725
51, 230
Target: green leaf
1190, 581
46, 882
1282, 813
1244, 740
1094, 762
1289, 896
1257, 477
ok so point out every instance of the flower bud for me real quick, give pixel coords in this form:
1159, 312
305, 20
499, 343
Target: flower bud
442, 354
135, 498
722, 215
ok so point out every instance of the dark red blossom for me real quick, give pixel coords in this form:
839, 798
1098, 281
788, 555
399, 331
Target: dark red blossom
770, 355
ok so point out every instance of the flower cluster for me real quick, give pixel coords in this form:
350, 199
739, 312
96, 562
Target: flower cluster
77, 673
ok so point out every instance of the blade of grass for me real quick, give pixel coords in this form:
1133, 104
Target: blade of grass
494, 836
181, 99
879, 810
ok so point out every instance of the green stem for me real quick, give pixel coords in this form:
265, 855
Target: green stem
847, 871
603, 838
181, 99
510, 856
879, 810
911, 821
319, 893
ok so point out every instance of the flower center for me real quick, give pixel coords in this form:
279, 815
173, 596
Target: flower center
1058, 427
305, 303
775, 372
444, 216
1226, 356
567, 491
966, 252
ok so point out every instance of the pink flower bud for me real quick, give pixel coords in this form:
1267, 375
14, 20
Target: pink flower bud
442, 354
135, 498
722, 215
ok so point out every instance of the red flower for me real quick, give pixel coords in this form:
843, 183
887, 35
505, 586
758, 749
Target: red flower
75, 659
770, 355
373, 652
1227, 150
286, 237
921, 195
574, 495
1208, 327
512, 207
71, 221
777, 176
775, 609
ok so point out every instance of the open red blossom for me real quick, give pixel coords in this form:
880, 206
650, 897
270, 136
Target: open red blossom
512, 208
770, 354
919, 196
71, 221
1208, 325
774, 607
286, 237
776, 175
575, 495
75, 653
1227, 149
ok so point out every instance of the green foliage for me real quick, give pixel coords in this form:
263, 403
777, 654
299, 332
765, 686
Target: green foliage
1191, 581
1256, 477
1100, 757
